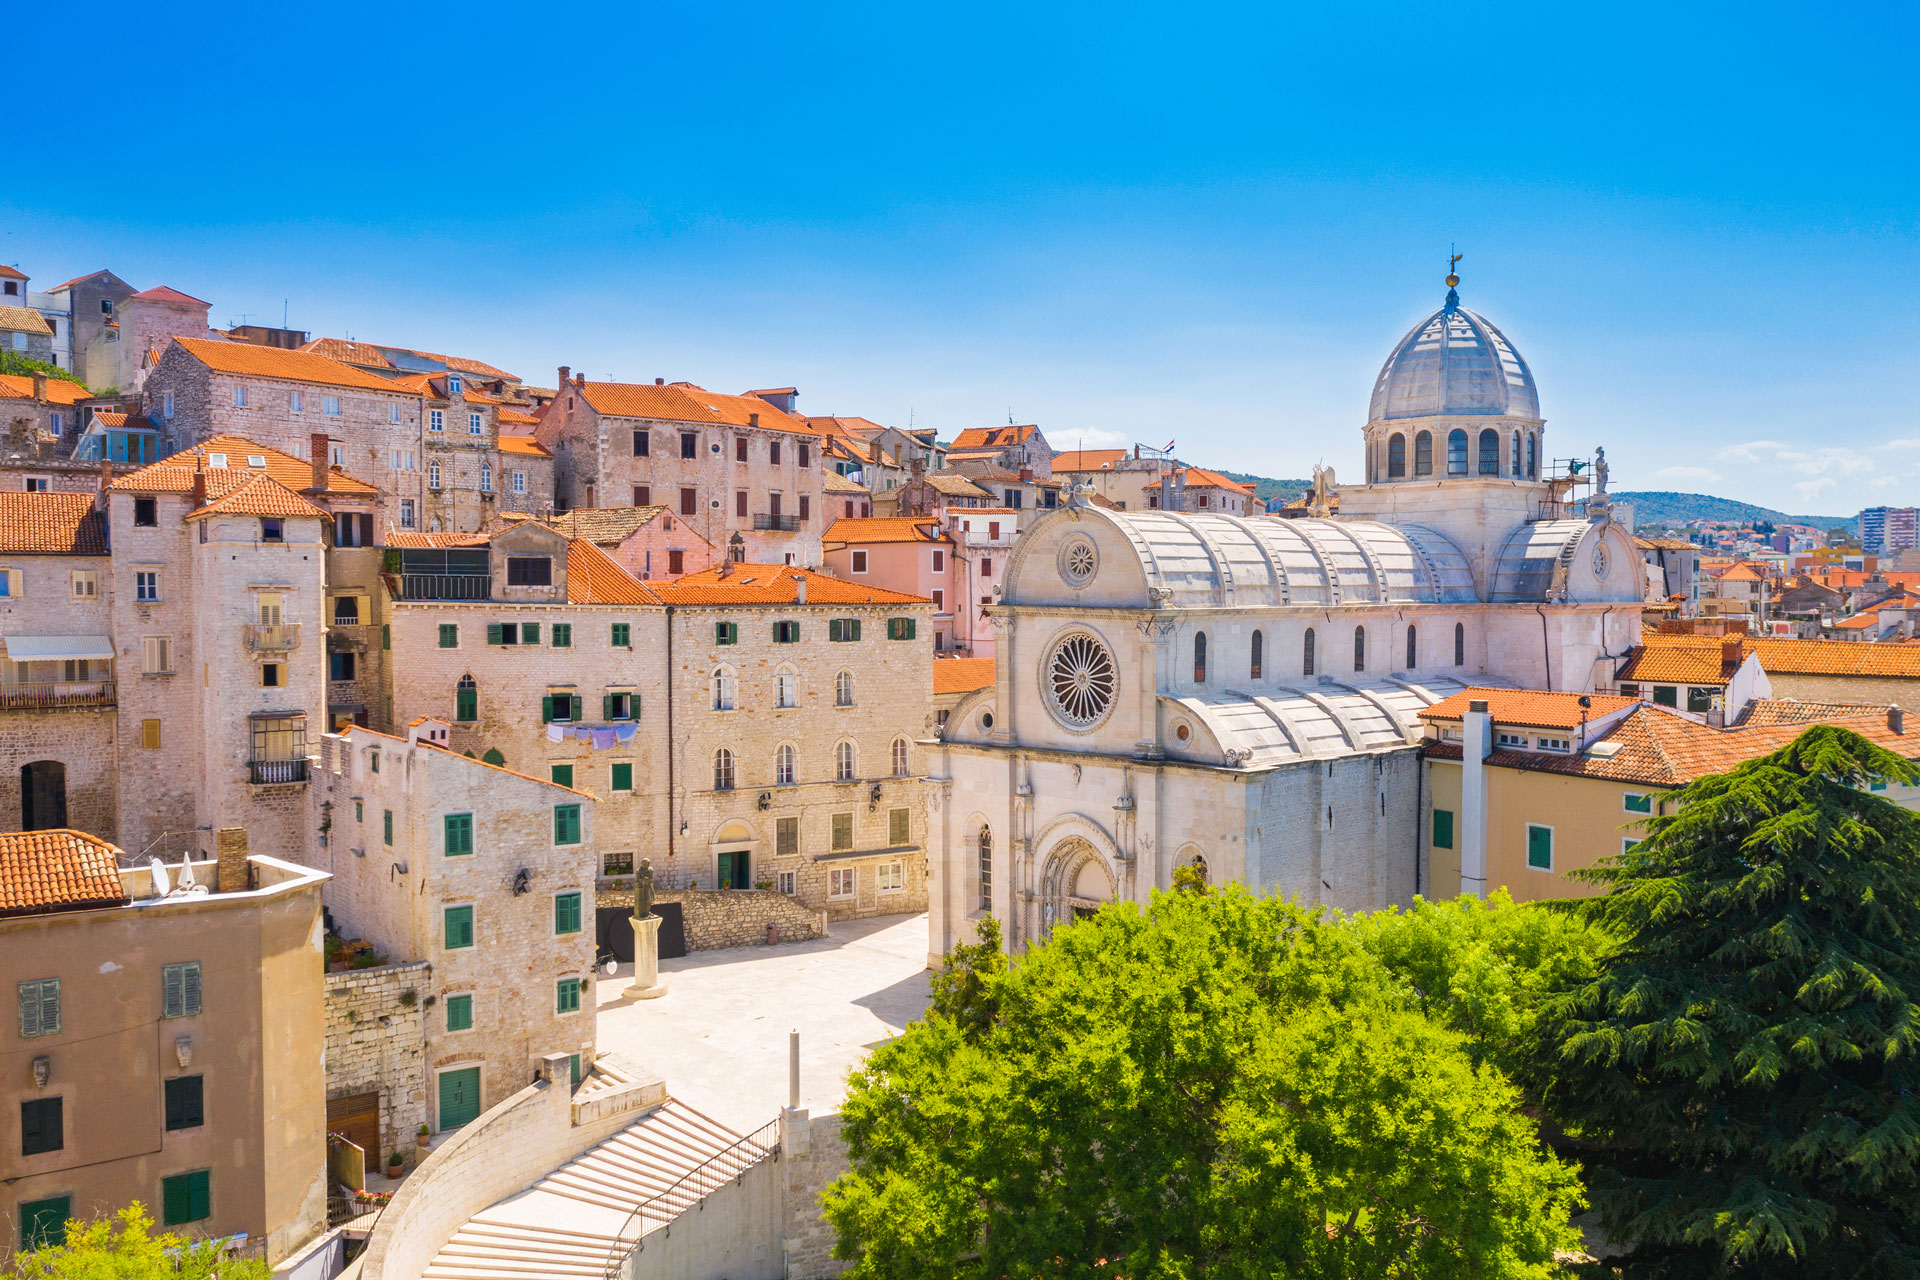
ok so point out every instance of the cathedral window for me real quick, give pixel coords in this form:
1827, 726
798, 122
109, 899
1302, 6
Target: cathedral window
1413, 646
1423, 454
1533, 455
1200, 658
1459, 644
1080, 681
1306, 654
1258, 656
986, 869
1396, 457
1359, 648
1489, 452
1456, 452
1513, 465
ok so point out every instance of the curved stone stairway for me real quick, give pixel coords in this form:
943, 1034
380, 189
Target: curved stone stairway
565, 1224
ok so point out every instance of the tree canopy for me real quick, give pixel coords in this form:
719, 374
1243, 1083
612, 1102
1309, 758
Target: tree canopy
124, 1247
1219, 1085
1739, 1074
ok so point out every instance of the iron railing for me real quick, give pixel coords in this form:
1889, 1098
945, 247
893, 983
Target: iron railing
446, 586
781, 524
52, 695
266, 772
726, 1166
272, 638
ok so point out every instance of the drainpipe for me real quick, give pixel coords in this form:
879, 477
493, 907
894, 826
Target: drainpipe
1476, 741
672, 818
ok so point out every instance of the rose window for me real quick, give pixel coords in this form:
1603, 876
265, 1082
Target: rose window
1077, 562
1080, 680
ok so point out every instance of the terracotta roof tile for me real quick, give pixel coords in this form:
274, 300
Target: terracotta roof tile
1534, 708
11, 273
885, 529
594, 578
834, 482
42, 872
685, 402
272, 362
51, 524
993, 437
605, 526
525, 446
174, 473
420, 541
24, 320
1682, 660
348, 352
1202, 478
161, 293
260, 495
79, 280
15, 386
510, 417
774, 584
952, 484
1088, 459
961, 675
1774, 711
1836, 658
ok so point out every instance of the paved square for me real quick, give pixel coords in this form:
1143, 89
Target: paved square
719, 1035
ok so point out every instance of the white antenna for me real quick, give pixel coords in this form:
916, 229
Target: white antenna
161, 885
187, 884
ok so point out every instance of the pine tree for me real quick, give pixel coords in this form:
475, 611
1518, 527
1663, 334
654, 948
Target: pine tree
1741, 1072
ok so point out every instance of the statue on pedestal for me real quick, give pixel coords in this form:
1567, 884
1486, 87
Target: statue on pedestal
643, 890
646, 937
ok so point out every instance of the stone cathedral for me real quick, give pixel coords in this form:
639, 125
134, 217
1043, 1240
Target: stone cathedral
1238, 693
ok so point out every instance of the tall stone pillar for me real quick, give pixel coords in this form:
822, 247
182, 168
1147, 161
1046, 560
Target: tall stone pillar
646, 960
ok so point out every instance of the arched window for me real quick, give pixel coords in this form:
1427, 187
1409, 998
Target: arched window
786, 688
1306, 654
986, 869
486, 477
1423, 454
843, 689
466, 701
1359, 648
1413, 647
1396, 456
899, 757
1200, 658
723, 770
1489, 452
1533, 455
843, 762
1259, 656
1459, 644
493, 756
433, 475
783, 767
722, 689
1199, 865
1513, 466
1456, 452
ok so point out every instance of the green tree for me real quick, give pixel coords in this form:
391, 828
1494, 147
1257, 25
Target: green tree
1221, 1086
1740, 1073
124, 1247
11, 362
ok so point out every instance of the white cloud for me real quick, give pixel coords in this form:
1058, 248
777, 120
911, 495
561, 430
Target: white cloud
1912, 442
1089, 438
1751, 451
1687, 475
1810, 490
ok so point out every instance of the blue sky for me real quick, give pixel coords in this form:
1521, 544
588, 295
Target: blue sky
1125, 223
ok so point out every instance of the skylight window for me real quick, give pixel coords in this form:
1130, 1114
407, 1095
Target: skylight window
256, 460
216, 459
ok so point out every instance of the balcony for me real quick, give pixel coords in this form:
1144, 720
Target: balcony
265, 637
779, 524
268, 772
446, 586
56, 695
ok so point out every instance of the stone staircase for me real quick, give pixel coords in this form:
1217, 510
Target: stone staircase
567, 1224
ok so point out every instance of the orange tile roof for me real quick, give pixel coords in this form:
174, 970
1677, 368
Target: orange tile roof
260, 495
24, 320
161, 293
80, 280
685, 402
508, 417
851, 529
12, 273
854, 428
1534, 708
833, 482
174, 473
1771, 711
1201, 477
272, 362
42, 872
1087, 459
1684, 659
774, 584
1743, 571
525, 445
961, 675
15, 386
420, 540
1664, 544
1859, 621
605, 526
1836, 658
993, 437
348, 352
593, 577
61, 524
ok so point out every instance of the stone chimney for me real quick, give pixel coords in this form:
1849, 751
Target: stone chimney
659, 382
580, 380
106, 482
1026, 475
753, 419
1476, 742
199, 480
800, 591
230, 849
566, 376
40, 387
1731, 654
1896, 720
319, 443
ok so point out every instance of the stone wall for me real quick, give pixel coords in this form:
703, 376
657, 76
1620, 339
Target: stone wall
812, 1155
718, 919
376, 1041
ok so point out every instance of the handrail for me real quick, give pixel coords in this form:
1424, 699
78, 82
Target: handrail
727, 1165
30, 695
272, 637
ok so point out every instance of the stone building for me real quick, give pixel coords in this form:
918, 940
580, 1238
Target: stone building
724, 464
484, 873
648, 542
526, 468
1009, 448
26, 333
148, 322
468, 483
1267, 673
168, 1044
1122, 478
91, 303
35, 408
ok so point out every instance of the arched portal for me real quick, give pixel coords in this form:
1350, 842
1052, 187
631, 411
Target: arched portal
1076, 882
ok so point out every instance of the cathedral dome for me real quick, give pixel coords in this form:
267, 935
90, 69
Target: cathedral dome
1454, 362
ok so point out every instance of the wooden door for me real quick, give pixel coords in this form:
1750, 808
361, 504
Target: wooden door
356, 1118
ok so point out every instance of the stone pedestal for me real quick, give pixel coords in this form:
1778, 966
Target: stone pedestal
646, 961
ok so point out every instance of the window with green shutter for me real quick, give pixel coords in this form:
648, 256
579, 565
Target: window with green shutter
843, 630
786, 837
1443, 828
449, 635
568, 997
459, 834
573, 1068
529, 633
466, 701
786, 633
186, 1197
386, 635
386, 826
43, 1223
623, 635
619, 706
566, 913
563, 635
40, 1007
559, 706
459, 1013
180, 990
900, 628
726, 633
899, 827
458, 929
560, 773
622, 779
1539, 847
842, 832
566, 824
497, 633
359, 810
1634, 803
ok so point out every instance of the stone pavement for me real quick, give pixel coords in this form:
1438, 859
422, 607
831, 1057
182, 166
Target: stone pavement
719, 1035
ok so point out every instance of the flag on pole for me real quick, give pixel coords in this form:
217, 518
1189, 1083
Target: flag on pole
1169, 448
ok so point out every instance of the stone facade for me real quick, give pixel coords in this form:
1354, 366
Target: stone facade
716, 920
376, 1042
149, 322
812, 1155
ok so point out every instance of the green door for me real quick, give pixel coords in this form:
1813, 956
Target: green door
733, 869
459, 1097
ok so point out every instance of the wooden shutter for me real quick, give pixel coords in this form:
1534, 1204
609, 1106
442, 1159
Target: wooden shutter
529, 633
494, 634
546, 709
40, 1007
1443, 828
573, 705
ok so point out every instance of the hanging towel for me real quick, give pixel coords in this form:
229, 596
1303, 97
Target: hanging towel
584, 735
603, 739
556, 733
623, 734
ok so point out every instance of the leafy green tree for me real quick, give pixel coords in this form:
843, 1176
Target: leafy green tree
1741, 1072
12, 362
124, 1247
1220, 1086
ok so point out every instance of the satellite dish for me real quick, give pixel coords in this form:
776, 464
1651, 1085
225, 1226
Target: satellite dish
162, 886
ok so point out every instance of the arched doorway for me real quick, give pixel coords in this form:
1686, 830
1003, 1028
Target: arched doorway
733, 856
43, 795
1075, 884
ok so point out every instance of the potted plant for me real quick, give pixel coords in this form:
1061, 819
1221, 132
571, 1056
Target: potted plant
395, 1162
336, 955
420, 1138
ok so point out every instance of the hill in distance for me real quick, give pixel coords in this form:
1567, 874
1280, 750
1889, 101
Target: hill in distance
1664, 507
1266, 488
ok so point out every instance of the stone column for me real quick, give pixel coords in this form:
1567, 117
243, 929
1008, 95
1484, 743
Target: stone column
646, 960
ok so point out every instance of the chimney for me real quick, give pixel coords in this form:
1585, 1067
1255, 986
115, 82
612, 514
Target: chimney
1026, 475
230, 849
106, 482
580, 380
1136, 453
199, 480
566, 376
318, 443
1731, 647
1476, 742
40, 387
753, 419
1896, 720
659, 382
800, 597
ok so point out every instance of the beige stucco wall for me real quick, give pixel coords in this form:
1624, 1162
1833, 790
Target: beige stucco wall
1587, 815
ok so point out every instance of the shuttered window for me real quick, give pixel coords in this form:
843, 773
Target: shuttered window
566, 913
843, 629
567, 999
560, 773
186, 1197
786, 633
459, 928
40, 1007
563, 635
623, 776
186, 1102
726, 633
43, 1125
559, 706
623, 635
1539, 847
566, 824
898, 827
1443, 828
459, 1013
449, 635
900, 628
180, 990
459, 833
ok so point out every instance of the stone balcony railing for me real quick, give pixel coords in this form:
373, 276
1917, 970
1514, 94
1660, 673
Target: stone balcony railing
446, 586
780, 524
271, 772
272, 637
56, 695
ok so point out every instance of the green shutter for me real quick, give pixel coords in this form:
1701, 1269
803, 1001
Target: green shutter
1639, 803
459, 829
546, 709
529, 633
458, 928
43, 1223
459, 1013
623, 777
622, 635
386, 825
606, 706
466, 705
494, 633
386, 635
563, 635
186, 1197
561, 773
1443, 828
574, 705
567, 999
834, 629
1540, 848
566, 824
726, 633
566, 913
856, 627
450, 635
573, 1068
